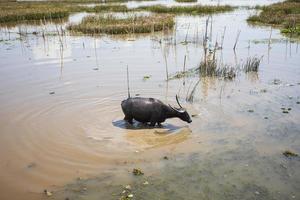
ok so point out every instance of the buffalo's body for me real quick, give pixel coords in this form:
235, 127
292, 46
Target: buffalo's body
150, 110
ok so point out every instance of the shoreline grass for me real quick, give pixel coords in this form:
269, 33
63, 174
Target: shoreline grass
132, 24
285, 15
194, 10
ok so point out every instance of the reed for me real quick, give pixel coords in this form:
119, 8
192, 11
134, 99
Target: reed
252, 64
132, 24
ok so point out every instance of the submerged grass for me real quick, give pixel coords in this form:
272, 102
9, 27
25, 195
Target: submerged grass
197, 9
285, 14
132, 24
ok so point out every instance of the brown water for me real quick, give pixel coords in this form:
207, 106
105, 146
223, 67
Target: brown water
75, 143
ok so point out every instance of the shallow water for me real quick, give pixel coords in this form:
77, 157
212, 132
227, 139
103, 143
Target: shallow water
62, 128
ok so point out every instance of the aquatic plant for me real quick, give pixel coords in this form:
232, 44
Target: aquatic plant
196, 9
251, 64
131, 24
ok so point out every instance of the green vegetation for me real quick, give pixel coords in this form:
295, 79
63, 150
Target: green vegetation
286, 15
197, 9
185, 1
132, 24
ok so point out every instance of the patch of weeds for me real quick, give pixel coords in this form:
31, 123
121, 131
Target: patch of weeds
137, 172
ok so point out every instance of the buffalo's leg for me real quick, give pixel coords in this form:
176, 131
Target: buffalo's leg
128, 119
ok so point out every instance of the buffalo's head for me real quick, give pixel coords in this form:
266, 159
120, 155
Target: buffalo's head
181, 112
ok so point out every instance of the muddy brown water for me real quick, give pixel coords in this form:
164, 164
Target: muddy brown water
62, 128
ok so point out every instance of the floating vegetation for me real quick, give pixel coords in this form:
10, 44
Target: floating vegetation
197, 9
132, 24
285, 14
252, 64
289, 153
146, 77
137, 172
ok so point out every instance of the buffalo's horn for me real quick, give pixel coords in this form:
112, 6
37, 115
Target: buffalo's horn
178, 101
177, 110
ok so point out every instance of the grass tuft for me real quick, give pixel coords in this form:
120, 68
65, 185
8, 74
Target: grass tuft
252, 64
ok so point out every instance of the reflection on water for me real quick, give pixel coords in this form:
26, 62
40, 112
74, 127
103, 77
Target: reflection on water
61, 123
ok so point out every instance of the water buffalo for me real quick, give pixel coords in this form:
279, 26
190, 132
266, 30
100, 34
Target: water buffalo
151, 110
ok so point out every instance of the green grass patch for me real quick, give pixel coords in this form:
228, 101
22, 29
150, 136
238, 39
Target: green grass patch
132, 24
286, 15
197, 9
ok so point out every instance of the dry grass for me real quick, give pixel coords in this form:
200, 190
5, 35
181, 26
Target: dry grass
132, 24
